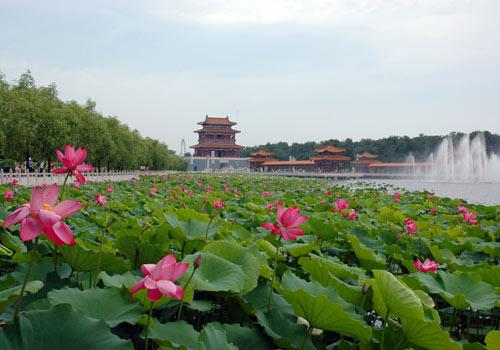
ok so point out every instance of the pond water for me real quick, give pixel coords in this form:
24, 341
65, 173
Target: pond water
481, 193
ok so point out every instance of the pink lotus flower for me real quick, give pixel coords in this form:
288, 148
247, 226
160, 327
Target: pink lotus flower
100, 200
109, 189
277, 202
153, 191
352, 215
427, 266
8, 195
43, 213
160, 279
182, 187
341, 204
410, 226
76, 185
462, 209
328, 192
270, 206
288, 221
430, 197
73, 162
433, 211
266, 194
470, 218
200, 184
397, 197
190, 193
218, 204
226, 187
14, 182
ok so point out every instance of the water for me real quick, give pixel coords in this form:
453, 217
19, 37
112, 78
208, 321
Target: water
487, 193
465, 161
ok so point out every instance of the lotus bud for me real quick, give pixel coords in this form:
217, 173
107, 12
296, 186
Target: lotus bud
197, 261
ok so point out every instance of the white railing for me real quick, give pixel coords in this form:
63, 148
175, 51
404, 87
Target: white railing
37, 179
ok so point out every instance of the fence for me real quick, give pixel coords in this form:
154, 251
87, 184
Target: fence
37, 179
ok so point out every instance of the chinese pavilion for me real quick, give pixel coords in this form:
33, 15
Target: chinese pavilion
363, 160
259, 158
217, 138
329, 160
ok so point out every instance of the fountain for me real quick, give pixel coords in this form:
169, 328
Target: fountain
467, 161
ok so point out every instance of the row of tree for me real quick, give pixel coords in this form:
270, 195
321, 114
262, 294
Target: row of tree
34, 121
394, 148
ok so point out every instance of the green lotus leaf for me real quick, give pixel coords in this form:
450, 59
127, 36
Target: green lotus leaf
318, 271
82, 259
300, 249
280, 323
492, 340
109, 304
217, 274
9, 295
248, 259
60, 327
323, 308
213, 336
176, 335
428, 334
460, 289
366, 256
391, 296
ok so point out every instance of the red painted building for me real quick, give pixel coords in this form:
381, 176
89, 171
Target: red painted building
217, 138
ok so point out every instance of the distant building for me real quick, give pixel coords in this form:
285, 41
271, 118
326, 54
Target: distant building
363, 160
327, 159
217, 138
217, 149
258, 158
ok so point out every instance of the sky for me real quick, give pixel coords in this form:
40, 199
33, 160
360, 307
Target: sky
284, 70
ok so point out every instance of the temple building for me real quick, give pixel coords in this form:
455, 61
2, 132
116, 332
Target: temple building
327, 159
259, 158
217, 149
363, 160
217, 138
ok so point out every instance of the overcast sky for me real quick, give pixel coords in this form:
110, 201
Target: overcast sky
284, 70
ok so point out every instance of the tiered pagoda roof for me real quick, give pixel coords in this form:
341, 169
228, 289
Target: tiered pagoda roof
329, 149
217, 137
366, 158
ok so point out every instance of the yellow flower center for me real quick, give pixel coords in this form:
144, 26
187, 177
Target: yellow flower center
47, 206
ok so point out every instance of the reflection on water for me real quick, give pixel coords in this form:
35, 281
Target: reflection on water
481, 193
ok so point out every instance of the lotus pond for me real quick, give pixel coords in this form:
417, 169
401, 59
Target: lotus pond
246, 262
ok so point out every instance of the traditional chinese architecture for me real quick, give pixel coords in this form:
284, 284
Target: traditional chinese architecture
327, 159
217, 138
363, 160
259, 158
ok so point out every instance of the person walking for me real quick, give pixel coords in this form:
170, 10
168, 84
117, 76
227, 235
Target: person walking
29, 165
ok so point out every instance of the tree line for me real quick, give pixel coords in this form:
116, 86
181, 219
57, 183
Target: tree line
389, 149
34, 121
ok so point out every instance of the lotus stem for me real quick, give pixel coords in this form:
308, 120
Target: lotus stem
206, 231
98, 265
179, 313
61, 194
26, 277
147, 324
308, 333
99, 257
272, 280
